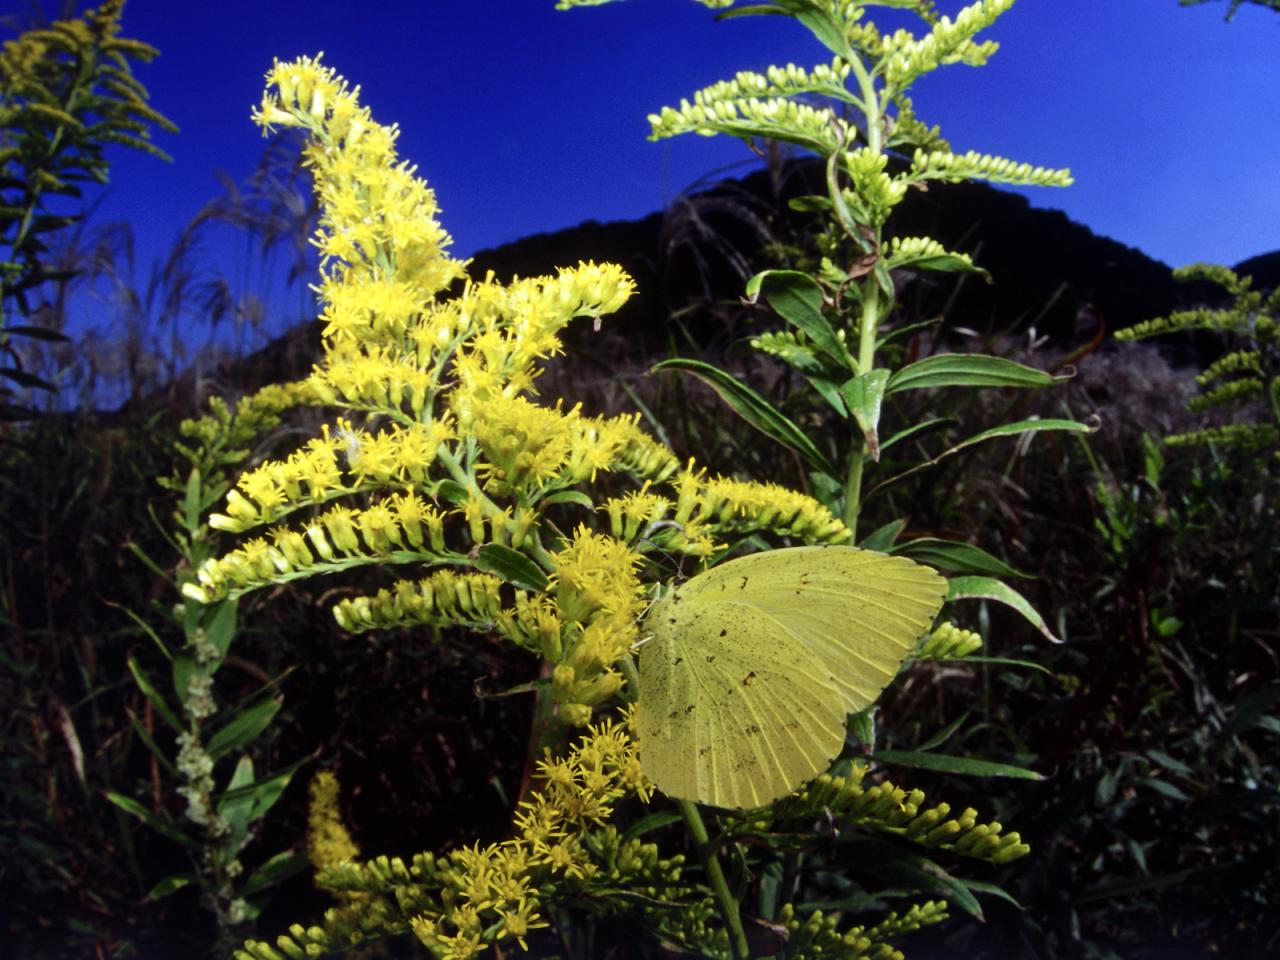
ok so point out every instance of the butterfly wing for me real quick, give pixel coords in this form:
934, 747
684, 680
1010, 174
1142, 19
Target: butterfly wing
733, 711
754, 664
859, 611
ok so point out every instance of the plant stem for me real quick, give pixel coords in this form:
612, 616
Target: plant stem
728, 905
866, 362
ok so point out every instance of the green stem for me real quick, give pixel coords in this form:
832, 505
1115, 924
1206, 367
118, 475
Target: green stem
728, 905
866, 362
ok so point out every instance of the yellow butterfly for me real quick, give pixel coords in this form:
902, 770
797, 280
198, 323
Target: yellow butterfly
752, 667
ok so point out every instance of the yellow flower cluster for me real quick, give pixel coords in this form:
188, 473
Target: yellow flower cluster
376, 216
818, 935
949, 642
894, 810
598, 602
315, 474
444, 598
328, 842
491, 894
400, 528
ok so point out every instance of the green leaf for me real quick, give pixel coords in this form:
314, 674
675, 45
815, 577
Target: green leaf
281, 867
512, 566
955, 556
943, 735
1248, 712
967, 370
985, 588
991, 890
651, 822
235, 807
943, 763
829, 391
168, 885
153, 696
1008, 662
1164, 788
910, 328
923, 427
891, 866
753, 408
191, 502
1006, 430
945, 262
882, 538
452, 491
811, 203
218, 620
149, 742
160, 824
569, 496
243, 728
161, 574
797, 298
184, 668
863, 395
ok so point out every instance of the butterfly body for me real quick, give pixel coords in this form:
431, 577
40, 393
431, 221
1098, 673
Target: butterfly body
754, 665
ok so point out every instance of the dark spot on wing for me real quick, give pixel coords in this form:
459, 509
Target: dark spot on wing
677, 661
746, 681
724, 633
689, 709
743, 584
711, 658
752, 730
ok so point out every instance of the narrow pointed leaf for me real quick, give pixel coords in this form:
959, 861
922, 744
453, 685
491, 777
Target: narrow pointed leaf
1005, 430
153, 696
511, 565
191, 502
863, 394
243, 728
943, 763
157, 822
753, 408
882, 538
797, 298
985, 588
169, 885
281, 867
968, 370
956, 557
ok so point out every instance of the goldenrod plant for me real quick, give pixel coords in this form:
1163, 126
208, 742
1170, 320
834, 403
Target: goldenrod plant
67, 92
841, 336
211, 765
537, 522
1246, 377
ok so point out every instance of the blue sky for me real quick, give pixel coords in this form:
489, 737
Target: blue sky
525, 119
